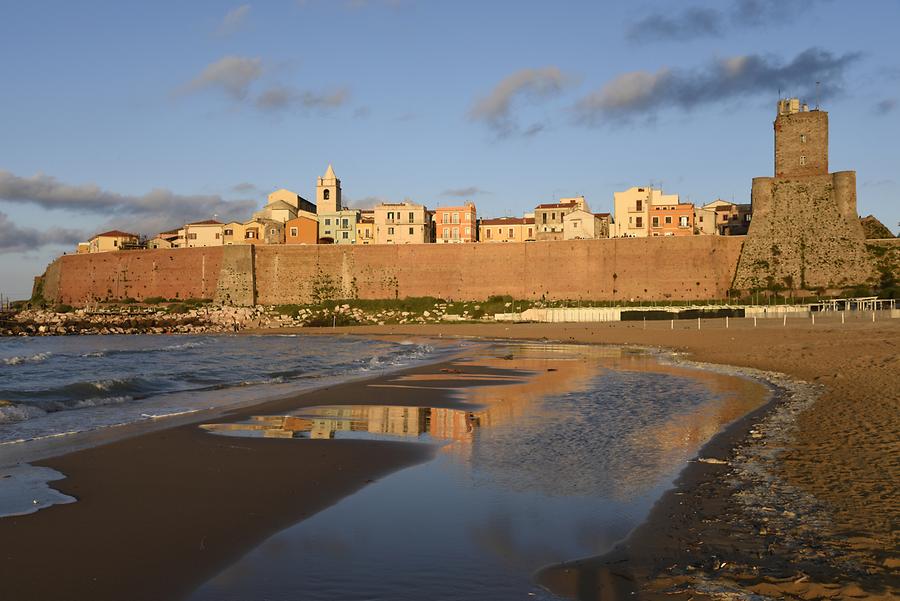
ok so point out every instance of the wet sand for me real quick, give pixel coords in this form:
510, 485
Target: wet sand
825, 520
159, 513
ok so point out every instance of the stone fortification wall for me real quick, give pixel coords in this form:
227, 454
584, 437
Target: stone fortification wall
179, 273
805, 234
624, 268
618, 269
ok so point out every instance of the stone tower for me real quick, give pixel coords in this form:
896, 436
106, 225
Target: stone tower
328, 193
801, 140
804, 232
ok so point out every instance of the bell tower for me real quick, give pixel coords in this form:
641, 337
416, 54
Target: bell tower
328, 193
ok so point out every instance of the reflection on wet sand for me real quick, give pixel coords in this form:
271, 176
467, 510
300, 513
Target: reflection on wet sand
357, 421
558, 452
642, 416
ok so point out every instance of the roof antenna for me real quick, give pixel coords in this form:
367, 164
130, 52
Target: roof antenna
817, 95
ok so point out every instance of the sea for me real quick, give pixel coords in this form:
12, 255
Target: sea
56, 387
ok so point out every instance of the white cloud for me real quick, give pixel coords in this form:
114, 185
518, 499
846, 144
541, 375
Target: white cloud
496, 109
232, 75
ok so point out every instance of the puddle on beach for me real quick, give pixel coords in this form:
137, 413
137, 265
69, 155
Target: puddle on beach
559, 467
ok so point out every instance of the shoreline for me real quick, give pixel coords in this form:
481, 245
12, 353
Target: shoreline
663, 538
838, 464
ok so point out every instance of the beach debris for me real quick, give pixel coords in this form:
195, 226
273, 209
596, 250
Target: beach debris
712, 460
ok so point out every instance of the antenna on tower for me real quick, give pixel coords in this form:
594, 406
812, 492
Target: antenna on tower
817, 95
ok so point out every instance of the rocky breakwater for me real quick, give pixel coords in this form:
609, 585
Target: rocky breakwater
131, 320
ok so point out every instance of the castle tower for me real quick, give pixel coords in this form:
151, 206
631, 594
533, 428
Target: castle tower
801, 140
805, 231
328, 193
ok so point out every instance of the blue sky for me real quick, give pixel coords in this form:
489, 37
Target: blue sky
141, 115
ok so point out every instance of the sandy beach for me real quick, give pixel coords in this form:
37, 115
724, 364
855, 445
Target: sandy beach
832, 532
184, 503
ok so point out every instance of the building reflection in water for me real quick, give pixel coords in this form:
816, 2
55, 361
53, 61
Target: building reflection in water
619, 420
358, 421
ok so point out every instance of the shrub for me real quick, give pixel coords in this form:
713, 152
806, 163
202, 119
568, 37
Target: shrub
63, 308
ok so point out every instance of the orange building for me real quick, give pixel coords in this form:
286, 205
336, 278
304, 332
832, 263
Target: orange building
455, 224
301, 230
672, 219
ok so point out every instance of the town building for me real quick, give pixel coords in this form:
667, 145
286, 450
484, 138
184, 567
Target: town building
506, 229
584, 225
291, 198
114, 240
456, 224
631, 210
549, 217
170, 239
203, 233
83, 248
672, 219
402, 223
263, 231
302, 230
365, 227
723, 218
337, 224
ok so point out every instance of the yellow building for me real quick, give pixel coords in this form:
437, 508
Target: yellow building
506, 229
549, 218
365, 228
204, 233
632, 211
402, 223
113, 240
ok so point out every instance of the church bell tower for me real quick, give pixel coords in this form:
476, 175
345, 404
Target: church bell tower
328, 193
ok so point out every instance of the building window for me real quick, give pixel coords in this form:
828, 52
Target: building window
668, 219
803, 138
250, 234
346, 223
544, 217
390, 231
468, 232
412, 218
639, 221
701, 218
456, 233
328, 222
326, 194
445, 218
510, 233
229, 232
273, 231
683, 221
655, 221
487, 233
218, 235
468, 216
115, 242
455, 217
639, 205
190, 237
530, 233
411, 231
345, 235
293, 232
802, 160
747, 217
446, 232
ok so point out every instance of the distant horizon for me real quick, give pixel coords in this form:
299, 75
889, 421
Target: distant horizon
108, 128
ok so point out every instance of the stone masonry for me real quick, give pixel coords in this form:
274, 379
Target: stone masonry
805, 231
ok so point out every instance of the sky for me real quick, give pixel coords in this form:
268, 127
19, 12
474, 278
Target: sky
145, 115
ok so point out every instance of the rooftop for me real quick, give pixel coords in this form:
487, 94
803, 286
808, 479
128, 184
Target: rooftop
115, 234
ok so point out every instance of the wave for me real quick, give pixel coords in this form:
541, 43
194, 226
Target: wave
37, 358
10, 414
142, 351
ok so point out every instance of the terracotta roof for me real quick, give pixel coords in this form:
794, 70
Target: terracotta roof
506, 221
556, 205
602, 214
207, 222
115, 234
